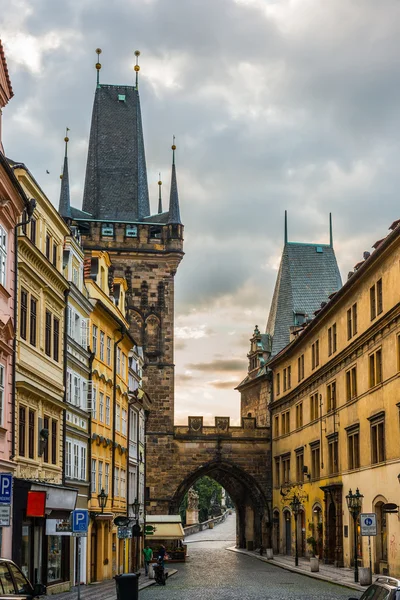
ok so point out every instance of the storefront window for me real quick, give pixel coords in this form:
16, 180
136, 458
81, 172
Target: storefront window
54, 558
25, 550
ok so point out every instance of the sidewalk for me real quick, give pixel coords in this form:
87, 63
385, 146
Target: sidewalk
105, 590
344, 576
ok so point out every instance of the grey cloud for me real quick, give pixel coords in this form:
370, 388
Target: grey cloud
219, 365
224, 385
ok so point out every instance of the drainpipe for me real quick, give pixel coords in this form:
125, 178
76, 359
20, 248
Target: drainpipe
122, 331
29, 212
64, 425
91, 359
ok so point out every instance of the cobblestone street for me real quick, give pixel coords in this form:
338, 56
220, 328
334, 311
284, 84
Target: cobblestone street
213, 573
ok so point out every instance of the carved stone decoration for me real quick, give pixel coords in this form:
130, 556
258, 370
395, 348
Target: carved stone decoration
222, 424
195, 424
249, 422
193, 499
144, 295
152, 337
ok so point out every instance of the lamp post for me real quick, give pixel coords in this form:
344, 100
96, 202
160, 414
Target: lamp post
354, 504
296, 505
102, 498
135, 512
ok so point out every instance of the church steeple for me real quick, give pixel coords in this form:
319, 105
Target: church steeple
174, 213
116, 176
65, 202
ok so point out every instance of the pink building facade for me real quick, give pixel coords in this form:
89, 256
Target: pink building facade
12, 203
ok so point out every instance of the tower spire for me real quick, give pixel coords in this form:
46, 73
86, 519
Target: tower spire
65, 203
137, 68
159, 194
330, 231
286, 229
98, 65
174, 213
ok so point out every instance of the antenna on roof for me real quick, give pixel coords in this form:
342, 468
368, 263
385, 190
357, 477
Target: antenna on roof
330, 231
98, 65
286, 233
137, 68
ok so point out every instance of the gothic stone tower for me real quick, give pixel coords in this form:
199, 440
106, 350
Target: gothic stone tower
144, 249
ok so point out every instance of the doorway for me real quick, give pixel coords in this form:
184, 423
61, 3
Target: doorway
331, 546
276, 532
288, 533
93, 553
381, 540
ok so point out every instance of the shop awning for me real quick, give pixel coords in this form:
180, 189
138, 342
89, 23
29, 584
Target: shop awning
167, 527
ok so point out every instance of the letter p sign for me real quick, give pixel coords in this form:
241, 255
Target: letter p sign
5, 488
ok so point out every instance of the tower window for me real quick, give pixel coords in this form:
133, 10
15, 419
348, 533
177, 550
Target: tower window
107, 230
121, 97
131, 231
155, 232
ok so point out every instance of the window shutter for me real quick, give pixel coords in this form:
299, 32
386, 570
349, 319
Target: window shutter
69, 379
84, 333
84, 394
69, 328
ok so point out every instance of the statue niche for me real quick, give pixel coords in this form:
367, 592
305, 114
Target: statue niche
152, 335
192, 511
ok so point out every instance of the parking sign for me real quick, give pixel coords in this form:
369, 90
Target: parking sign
5, 488
368, 523
80, 521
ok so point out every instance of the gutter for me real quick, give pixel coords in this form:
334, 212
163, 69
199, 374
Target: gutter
122, 330
29, 211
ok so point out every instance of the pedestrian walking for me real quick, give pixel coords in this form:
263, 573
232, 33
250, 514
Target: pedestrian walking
148, 555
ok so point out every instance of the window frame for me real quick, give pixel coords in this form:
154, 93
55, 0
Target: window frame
3, 255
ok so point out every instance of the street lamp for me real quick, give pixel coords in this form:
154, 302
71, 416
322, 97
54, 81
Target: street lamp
296, 505
135, 509
354, 504
102, 498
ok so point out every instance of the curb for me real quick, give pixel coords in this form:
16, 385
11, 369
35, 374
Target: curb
151, 582
351, 586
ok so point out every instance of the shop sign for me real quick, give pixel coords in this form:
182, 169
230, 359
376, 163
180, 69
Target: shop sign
36, 504
368, 523
5, 512
124, 533
58, 527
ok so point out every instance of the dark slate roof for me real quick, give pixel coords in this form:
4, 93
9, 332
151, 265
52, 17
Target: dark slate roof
158, 218
76, 213
305, 279
116, 178
64, 207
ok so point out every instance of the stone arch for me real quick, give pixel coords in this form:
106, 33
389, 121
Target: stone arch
381, 539
252, 510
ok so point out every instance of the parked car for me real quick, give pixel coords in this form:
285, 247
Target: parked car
14, 585
384, 588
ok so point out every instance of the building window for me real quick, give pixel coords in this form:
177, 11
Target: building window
314, 406
353, 446
300, 367
372, 302
117, 418
76, 462
33, 231
352, 321
378, 440
22, 431
2, 378
315, 354
107, 410
131, 231
331, 396
116, 482
351, 383
48, 246
124, 365
375, 368
68, 458
118, 360
54, 442
299, 415
123, 483
31, 434
94, 402
376, 299
299, 467
93, 476
276, 425
3, 256
333, 455
101, 407
285, 420
108, 351
55, 248
124, 422
56, 339
315, 461
107, 477
332, 339
107, 229
23, 314
285, 469
46, 426
278, 384
32, 321
277, 472
47, 346
100, 477
82, 466
379, 297
94, 339
101, 345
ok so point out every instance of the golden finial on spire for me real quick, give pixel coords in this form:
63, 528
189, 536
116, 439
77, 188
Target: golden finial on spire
159, 179
136, 67
98, 65
173, 149
66, 139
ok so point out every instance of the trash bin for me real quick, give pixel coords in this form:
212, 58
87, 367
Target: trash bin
127, 586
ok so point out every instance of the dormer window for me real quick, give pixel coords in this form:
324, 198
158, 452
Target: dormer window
107, 230
131, 231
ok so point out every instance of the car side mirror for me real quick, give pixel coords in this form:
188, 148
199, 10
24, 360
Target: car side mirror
39, 590
353, 598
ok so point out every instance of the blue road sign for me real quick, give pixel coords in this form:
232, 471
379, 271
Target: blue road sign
5, 488
80, 520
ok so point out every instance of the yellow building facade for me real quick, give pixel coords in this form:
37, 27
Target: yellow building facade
39, 417
335, 418
110, 344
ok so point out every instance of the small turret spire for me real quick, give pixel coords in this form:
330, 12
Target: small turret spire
98, 65
159, 194
286, 229
137, 68
330, 231
174, 213
65, 202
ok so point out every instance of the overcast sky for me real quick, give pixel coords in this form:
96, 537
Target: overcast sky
285, 104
